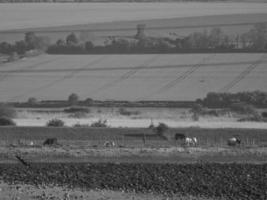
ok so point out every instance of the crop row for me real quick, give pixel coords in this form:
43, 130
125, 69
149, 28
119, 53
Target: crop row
229, 181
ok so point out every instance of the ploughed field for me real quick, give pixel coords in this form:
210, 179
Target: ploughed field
226, 181
132, 77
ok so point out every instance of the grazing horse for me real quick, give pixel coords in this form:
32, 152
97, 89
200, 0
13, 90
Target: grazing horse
179, 136
50, 141
190, 141
234, 141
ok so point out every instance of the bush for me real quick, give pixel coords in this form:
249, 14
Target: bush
55, 123
100, 124
7, 111
6, 122
161, 129
243, 108
264, 114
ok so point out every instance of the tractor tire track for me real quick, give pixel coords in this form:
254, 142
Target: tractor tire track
181, 77
242, 75
26, 68
126, 75
68, 76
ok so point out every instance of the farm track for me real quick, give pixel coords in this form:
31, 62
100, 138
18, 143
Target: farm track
227, 181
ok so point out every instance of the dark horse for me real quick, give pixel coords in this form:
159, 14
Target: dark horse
179, 136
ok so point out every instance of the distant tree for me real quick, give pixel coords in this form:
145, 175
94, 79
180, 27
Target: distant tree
89, 46
161, 129
34, 42
6, 48
72, 39
32, 101
215, 37
60, 42
21, 47
73, 99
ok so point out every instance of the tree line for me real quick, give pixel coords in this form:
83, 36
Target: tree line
30, 42
215, 40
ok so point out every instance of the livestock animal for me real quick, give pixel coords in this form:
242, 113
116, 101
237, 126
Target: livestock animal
234, 141
50, 141
190, 141
179, 136
109, 144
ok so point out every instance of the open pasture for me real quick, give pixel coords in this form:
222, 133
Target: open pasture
130, 137
132, 77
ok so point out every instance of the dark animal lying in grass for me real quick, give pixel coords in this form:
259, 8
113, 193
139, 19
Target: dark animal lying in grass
234, 141
50, 141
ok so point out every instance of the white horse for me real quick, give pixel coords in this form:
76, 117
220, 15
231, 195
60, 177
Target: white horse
190, 141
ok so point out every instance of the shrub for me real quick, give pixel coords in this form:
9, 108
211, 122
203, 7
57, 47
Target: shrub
6, 122
7, 111
55, 123
264, 114
161, 129
100, 123
243, 108
73, 99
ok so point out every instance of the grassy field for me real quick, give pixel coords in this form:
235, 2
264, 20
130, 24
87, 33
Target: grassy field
132, 77
130, 137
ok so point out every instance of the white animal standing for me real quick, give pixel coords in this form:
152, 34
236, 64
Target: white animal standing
190, 141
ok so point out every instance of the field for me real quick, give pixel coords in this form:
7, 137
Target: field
142, 165
131, 77
90, 23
